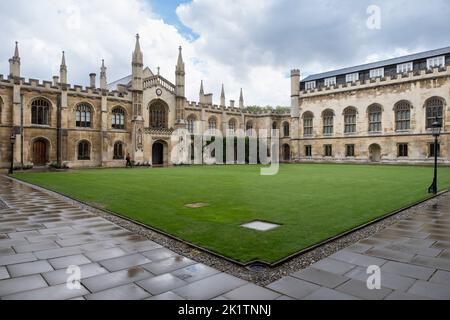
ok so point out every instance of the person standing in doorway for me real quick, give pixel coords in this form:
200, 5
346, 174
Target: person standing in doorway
129, 163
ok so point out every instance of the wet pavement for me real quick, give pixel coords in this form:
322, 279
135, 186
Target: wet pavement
42, 239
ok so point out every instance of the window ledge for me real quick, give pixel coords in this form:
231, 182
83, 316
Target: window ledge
40, 126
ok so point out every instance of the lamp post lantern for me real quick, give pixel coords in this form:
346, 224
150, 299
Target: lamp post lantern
436, 131
13, 141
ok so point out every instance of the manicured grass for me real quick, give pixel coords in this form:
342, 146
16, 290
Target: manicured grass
311, 202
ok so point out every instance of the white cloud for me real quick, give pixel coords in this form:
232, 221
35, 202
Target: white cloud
247, 43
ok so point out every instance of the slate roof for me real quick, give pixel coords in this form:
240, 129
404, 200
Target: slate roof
380, 64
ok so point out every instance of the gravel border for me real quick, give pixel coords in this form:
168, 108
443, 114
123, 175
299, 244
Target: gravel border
264, 275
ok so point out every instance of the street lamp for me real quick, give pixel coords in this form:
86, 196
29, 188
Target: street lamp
436, 131
13, 141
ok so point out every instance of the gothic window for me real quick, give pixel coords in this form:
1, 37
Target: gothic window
308, 124
158, 116
118, 118
232, 126
402, 116
375, 113
308, 151
328, 123
328, 150
274, 125
286, 129
40, 111
212, 124
191, 124
83, 115
84, 150
350, 120
118, 151
249, 126
350, 150
435, 111
402, 150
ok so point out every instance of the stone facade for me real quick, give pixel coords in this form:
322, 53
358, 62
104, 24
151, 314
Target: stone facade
54, 121
151, 108
416, 92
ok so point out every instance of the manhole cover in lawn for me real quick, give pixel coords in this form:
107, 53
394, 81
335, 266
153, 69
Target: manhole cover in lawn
197, 205
261, 226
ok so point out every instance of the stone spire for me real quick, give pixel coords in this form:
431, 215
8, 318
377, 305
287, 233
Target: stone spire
241, 100
63, 69
137, 64
202, 93
14, 63
222, 97
180, 62
137, 54
103, 80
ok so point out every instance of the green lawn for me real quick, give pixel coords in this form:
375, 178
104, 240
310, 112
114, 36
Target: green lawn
311, 202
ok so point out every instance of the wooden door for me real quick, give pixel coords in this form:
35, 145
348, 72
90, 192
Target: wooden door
40, 153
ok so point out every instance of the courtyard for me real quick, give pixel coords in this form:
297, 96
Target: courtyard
208, 206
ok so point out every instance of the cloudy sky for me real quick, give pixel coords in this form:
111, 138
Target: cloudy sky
242, 43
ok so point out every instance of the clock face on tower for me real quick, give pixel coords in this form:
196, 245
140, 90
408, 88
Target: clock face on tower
159, 92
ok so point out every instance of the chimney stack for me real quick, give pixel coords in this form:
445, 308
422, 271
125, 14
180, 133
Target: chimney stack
92, 76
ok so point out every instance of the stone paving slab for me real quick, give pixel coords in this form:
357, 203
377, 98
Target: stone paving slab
41, 235
413, 256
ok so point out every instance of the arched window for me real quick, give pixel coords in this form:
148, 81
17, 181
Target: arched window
83, 116
286, 129
308, 122
212, 124
249, 126
350, 120
274, 125
402, 116
40, 111
232, 126
118, 118
328, 122
375, 113
118, 151
84, 150
158, 116
435, 111
191, 124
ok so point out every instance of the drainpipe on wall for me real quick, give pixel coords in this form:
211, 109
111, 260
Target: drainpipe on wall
58, 132
22, 138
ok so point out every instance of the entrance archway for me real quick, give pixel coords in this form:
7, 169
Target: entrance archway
375, 153
40, 152
158, 154
286, 156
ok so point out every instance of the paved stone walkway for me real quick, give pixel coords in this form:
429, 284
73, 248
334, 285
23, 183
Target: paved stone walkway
41, 236
413, 255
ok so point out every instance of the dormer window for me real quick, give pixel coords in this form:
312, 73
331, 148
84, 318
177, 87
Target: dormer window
405, 67
310, 85
377, 73
330, 82
436, 62
353, 77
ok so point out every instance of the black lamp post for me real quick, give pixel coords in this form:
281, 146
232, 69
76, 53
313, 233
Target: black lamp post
436, 131
13, 141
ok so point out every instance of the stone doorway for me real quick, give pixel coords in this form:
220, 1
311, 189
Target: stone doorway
158, 154
375, 153
40, 152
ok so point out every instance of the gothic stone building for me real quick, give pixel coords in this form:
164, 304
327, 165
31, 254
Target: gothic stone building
98, 126
378, 112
